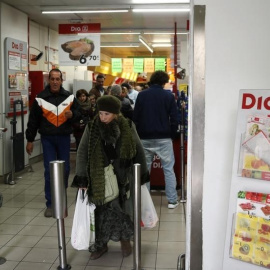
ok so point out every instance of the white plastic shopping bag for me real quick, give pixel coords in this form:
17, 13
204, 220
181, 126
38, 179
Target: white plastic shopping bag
149, 217
92, 223
82, 231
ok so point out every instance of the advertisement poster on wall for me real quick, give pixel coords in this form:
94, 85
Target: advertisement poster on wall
83, 50
79, 44
248, 222
16, 79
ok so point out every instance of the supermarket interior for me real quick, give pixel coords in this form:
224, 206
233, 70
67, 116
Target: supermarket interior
216, 54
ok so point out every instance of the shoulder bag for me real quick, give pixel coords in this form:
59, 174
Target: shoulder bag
111, 184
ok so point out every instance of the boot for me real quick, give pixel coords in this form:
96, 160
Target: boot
97, 254
126, 248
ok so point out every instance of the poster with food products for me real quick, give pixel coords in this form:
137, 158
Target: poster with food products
255, 148
247, 242
79, 50
251, 240
254, 204
15, 75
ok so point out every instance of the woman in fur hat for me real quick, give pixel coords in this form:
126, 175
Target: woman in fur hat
110, 138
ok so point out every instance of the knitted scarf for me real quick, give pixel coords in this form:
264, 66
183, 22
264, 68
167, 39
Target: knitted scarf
117, 132
86, 105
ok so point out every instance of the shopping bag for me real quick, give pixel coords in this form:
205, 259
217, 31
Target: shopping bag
149, 217
82, 231
92, 223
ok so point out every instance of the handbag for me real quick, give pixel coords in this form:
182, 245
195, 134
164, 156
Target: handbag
111, 184
83, 230
149, 217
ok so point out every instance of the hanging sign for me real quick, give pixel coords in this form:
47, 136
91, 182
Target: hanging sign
138, 65
79, 50
169, 66
149, 65
128, 65
67, 29
160, 64
116, 65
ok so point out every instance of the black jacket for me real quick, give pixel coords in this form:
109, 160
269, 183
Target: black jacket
155, 114
47, 114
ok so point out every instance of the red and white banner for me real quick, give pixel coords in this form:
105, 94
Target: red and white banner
79, 50
79, 28
79, 44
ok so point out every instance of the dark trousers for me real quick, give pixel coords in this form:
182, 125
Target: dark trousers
55, 147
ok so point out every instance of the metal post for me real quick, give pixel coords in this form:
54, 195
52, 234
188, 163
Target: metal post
182, 154
2, 130
59, 207
181, 262
137, 217
2, 259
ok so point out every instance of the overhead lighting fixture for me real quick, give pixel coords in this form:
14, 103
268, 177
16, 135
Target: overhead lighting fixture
160, 10
144, 42
120, 33
165, 33
119, 45
160, 1
136, 31
85, 11
164, 45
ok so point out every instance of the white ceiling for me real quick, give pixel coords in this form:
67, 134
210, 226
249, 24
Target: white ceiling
133, 22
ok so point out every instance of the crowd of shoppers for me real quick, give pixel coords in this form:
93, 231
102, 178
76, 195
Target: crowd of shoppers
105, 123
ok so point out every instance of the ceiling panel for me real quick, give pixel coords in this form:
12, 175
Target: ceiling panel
139, 22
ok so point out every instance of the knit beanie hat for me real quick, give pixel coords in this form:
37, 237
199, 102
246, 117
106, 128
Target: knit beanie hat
109, 103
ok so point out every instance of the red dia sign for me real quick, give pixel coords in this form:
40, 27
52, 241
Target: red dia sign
79, 28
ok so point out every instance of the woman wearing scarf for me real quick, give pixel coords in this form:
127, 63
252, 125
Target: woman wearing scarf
110, 138
85, 112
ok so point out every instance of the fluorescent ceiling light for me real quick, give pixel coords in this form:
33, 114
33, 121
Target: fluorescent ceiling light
119, 45
165, 33
85, 11
141, 39
120, 33
161, 10
160, 1
155, 45
146, 33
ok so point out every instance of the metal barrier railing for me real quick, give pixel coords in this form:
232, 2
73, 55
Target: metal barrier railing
181, 262
59, 207
2, 130
137, 217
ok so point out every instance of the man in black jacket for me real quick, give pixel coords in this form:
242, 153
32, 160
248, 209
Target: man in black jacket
155, 117
51, 115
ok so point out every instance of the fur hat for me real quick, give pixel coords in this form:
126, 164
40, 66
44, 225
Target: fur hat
109, 103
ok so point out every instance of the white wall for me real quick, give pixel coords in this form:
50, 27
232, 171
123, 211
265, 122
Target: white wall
14, 25
237, 57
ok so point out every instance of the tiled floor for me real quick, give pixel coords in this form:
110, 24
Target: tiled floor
28, 240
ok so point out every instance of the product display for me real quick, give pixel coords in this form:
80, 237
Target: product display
255, 150
250, 240
254, 204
